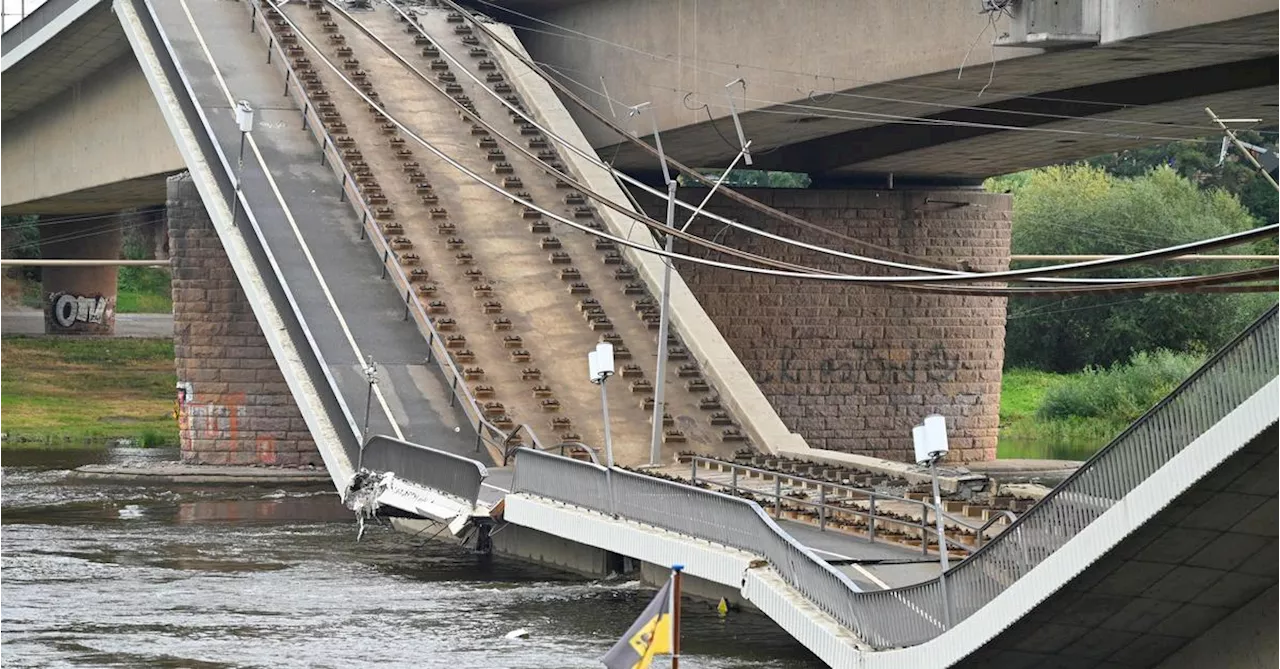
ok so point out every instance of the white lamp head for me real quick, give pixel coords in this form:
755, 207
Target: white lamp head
917, 438
600, 362
244, 116
930, 439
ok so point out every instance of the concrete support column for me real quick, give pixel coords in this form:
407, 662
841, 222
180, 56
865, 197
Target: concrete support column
234, 406
853, 368
146, 233
79, 300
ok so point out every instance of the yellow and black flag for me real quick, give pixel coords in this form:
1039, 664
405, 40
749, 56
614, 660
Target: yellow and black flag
649, 636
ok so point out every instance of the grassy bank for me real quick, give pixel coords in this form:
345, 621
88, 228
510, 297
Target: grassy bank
1071, 416
78, 391
139, 290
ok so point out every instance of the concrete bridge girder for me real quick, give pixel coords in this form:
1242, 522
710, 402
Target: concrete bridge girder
873, 63
113, 149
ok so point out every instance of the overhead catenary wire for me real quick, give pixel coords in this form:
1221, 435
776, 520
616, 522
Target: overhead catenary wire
728, 192
1113, 235
922, 280
595, 160
778, 108
43, 221
542, 164
571, 34
498, 188
81, 234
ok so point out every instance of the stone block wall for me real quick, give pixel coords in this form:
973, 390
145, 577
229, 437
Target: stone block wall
853, 368
234, 405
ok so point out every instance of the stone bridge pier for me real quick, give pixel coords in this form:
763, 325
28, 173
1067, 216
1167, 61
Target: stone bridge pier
234, 407
852, 368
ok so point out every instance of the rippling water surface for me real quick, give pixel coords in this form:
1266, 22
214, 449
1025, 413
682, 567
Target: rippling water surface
122, 575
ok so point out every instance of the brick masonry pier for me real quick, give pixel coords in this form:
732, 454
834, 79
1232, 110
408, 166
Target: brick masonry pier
234, 406
853, 368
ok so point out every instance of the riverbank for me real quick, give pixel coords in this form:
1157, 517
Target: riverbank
1071, 416
1023, 434
65, 392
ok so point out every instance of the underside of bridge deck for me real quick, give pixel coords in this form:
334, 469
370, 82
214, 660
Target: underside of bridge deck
1198, 581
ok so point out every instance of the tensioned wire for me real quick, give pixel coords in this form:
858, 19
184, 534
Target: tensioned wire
679, 166
597, 161
587, 155
1178, 283
74, 218
774, 107
571, 34
537, 161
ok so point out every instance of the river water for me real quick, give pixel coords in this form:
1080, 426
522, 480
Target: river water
121, 575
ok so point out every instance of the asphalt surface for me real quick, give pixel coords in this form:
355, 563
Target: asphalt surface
31, 322
346, 303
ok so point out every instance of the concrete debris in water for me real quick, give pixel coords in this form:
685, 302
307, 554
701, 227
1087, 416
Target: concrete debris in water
363, 493
521, 633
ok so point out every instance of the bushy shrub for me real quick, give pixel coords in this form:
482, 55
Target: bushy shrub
1083, 210
1121, 392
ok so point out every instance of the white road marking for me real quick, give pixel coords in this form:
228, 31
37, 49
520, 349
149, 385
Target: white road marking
253, 144
861, 570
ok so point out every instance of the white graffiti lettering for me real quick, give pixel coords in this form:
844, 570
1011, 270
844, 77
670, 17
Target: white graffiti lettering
71, 309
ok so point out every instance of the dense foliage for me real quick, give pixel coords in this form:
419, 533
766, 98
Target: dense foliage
1121, 392
1082, 209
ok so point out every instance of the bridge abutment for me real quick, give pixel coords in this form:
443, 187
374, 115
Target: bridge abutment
234, 406
852, 368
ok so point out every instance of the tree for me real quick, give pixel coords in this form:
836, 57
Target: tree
1197, 160
1081, 209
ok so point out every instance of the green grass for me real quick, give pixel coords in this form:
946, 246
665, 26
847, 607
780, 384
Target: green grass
82, 391
1025, 435
1071, 416
143, 303
139, 290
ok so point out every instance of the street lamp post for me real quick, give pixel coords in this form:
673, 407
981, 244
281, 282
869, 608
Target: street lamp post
370, 370
244, 121
931, 446
600, 362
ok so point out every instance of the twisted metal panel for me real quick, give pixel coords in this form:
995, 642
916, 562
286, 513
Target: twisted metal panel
435, 469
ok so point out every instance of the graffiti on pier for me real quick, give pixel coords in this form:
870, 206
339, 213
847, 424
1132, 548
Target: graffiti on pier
68, 309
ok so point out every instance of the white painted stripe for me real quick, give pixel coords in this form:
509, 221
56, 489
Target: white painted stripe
323, 429
306, 251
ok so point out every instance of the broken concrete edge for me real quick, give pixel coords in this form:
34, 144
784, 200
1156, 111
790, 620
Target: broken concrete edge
737, 389
1031, 491
192, 474
914, 474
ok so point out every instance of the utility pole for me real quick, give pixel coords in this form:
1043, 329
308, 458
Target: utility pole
664, 313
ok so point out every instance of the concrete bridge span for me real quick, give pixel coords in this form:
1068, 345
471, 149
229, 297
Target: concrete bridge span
853, 91
289, 274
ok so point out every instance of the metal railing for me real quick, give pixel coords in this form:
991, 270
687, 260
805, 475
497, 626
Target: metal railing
443, 472
1230, 377
273, 279
330, 155
914, 614
828, 509
706, 514
34, 21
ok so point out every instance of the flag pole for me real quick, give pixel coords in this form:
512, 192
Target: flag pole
676, 569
